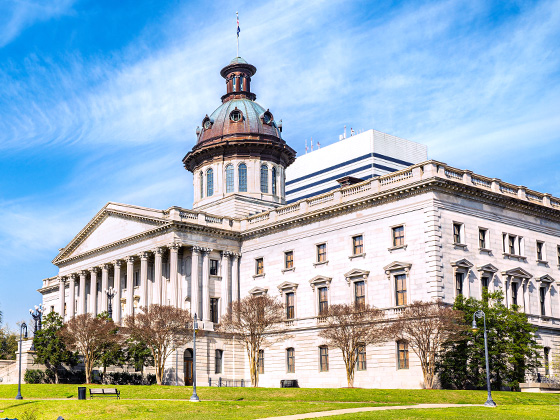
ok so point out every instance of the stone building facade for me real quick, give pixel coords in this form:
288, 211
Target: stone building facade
425, 232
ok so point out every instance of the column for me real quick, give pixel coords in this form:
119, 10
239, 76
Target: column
93, 290
144, 278
194, 281
206, 284
61, 295
225, 283
82, 308
235, 278
72, 296
118, 292
173, 257
157, 275
129, 285
104, 286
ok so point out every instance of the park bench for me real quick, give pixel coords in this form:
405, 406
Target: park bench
101, 392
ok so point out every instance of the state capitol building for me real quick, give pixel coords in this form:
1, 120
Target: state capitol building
368, 218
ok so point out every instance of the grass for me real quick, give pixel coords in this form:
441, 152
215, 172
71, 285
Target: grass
170, 402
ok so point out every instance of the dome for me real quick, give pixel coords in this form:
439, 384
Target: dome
238, 60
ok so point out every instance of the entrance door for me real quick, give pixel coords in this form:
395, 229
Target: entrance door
188, 367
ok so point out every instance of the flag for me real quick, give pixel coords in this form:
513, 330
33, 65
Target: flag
238, 30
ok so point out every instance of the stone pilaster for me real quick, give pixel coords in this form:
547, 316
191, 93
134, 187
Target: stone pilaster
117, 312
93, 298
61, 296
173, 278
71, 296
130, 285
235, 278
225, 283
194, 281
104, 286
144, 278
158, 255
82, 306
206, 284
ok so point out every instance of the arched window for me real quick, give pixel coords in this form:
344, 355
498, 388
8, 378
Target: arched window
242, 178
273, 180
241, 83
229, 178
264, 179
201, 185
209, 182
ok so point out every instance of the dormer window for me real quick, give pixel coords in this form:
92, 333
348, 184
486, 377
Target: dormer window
267, 117
236, 115
207, 123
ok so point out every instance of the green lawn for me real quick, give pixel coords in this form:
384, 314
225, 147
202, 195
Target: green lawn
169, 402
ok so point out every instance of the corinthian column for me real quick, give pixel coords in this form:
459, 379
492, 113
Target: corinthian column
93, 291
206, 284
144, 278
173, 259
82, 307
104, 286
194, 281
61, 296
118, 292
129, 285
72, 296
157, 274
225, 282
235, 278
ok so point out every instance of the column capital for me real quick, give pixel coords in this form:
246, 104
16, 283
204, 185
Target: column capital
84, 273
160, 250
94, 270
226, 253
206, 250
118, 263
71, 276
236, 255
144, 255
130, 259
105, 266
196, 249
174, 246
62, 279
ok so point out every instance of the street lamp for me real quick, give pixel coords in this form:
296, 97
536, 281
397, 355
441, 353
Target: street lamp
21, 328
110, 295
480, 314
36, 315
194, 397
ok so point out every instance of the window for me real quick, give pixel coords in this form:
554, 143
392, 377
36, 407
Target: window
547, 361
457, 233
260, 362
359, 293
357, 245
361, 357
273, 180
402, 350
323, 359
289, 259
214, 267
209, 182
236, 115
540, 251
264, 179
201, 185
482, 235
459, 277
52, 308
321, 253
290, 360
514, 293
214, 310
229, 178
219, 358
398, 236
290, 305
484, 282
241, 83
400, 289
542, 299
234, 83
323, 301
259, 266
136, 279
124, 281
558, 253
513, 245
242, 173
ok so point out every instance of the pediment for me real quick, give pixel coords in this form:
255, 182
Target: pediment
487, 268
287, 285
356, 272
546, 279
462, 263
109, 226
396, 266
320, 280
517, 272
258, 291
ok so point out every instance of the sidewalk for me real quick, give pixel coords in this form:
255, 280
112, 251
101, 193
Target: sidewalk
363, 409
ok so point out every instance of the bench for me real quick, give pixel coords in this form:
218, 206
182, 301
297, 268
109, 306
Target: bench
102, 392
289, 383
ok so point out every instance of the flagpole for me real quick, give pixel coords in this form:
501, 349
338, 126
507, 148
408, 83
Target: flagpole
237, 15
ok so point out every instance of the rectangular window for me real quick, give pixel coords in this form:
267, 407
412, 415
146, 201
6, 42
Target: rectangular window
540, 251
125, 282
457, 234
324, 359
321, 252
482, 234
290, 360
52, 308
260, 362
542, 300
511, 244
290, 307
323, 301
214, 310
219, 358
288, 259
361, 357
558, 253
400, 289
214, 267
360, 293
259, 266
398, 236
547, 361
484, 282
459, 277
402, 349
136, 279
357, 245
514, 293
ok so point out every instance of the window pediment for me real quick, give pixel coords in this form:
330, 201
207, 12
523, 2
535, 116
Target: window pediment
258, 291
397, 266
462, 263
517, 272
355, 274
320, 280
287, 286
546, 279
487, 268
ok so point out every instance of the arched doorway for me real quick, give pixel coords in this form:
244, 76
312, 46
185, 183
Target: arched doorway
188, 367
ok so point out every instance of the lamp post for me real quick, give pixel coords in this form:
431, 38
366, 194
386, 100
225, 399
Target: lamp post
194, 397
36, 315
110, 295
480, 314
21, 328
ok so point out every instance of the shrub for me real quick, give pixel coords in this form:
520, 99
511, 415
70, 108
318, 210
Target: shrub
125, 378
34, 376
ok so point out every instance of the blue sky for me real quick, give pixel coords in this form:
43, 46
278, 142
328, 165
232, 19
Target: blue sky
99, 100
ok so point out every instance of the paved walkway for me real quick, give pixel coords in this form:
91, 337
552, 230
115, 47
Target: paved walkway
363, 409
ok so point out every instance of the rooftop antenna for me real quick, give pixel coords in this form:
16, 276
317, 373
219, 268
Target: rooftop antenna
311, 143
344, 131
305, 146
238, 30
318, 145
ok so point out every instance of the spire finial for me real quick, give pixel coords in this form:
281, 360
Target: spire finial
238, 30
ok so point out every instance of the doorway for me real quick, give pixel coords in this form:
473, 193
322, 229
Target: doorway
188, 367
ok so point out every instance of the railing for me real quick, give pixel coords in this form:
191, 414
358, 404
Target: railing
188, 215
288, 209
259, 218
391, 179
555, 203
534, 197
320, 200
224, 382
213, 219
356, 190
450, 173
481, 182
508, 189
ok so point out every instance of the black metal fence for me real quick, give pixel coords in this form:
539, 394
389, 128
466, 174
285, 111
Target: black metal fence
228, 382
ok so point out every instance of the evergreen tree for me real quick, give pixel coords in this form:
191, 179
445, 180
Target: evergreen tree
512, 348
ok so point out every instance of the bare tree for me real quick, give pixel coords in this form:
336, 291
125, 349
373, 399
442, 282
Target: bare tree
254, 321
426, 326
349, 327
162, 328
88, 336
